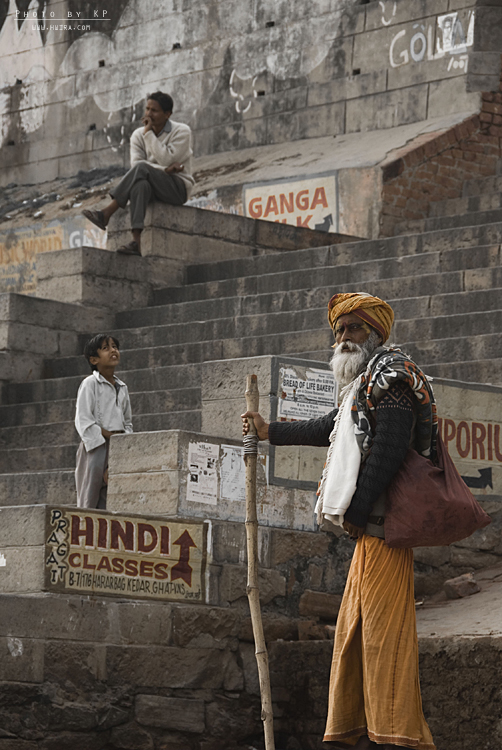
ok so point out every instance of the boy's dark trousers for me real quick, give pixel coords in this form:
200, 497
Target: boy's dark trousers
89, 476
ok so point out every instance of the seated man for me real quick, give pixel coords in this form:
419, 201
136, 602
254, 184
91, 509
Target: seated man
161, 166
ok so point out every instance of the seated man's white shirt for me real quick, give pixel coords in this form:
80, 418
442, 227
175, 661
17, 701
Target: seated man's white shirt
173, 144
101, 405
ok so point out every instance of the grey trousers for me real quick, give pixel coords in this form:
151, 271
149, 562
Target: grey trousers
144, 183
89, 472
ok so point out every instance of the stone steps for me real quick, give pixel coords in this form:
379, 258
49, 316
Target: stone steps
455, 221
149, 402
444, 284
57, 434
488, 371
483, 186
231, 285
467, 204
141, 380
38, 487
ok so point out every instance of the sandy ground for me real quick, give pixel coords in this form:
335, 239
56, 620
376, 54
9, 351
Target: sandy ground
476, 615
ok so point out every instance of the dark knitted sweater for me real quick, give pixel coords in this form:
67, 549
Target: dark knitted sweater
393, 426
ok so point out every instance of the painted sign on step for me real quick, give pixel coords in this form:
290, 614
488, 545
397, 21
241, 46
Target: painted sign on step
20, 246
128, 556
472, 433
307, 202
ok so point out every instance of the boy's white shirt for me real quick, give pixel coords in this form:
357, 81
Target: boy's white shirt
173, 144
99, 405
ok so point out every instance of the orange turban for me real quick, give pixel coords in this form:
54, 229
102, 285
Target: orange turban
373, 310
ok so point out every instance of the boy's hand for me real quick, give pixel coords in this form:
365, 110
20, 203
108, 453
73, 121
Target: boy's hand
259, 423
106, 433
175, 167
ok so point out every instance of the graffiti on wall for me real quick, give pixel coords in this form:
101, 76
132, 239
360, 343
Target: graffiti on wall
450, 34
19, 248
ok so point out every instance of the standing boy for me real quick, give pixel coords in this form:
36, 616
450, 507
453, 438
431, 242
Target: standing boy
103, 410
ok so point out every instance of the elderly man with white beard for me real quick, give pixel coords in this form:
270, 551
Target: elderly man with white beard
387, 406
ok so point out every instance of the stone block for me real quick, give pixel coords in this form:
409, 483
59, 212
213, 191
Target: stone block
275, 627
21, 659
140, 623
22, 569
387, 110
250, 668
487, 29
450, 96
466, 558
311, 630
79, 664
22, 526
50, 314
202, 627
233, 582
122, 282
145, 452
181, 714
131, 737
229, 544
155, 666
73, 718
289, 545
457, 588
434, 556
326, 119
404, 12
155, 492
320, 604
75, 740
20, 366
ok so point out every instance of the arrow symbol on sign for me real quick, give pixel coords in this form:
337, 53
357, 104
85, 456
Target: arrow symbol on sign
480, 483
183, 569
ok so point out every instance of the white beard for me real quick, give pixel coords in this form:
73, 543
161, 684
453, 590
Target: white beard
350, 359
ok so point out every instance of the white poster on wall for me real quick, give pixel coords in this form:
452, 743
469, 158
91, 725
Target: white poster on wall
305, 393
202, 481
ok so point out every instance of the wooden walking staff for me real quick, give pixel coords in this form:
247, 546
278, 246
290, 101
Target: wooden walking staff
250, 458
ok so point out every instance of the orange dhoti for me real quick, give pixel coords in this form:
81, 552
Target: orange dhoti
374, 687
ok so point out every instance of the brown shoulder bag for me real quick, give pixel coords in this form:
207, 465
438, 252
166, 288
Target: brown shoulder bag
429, 504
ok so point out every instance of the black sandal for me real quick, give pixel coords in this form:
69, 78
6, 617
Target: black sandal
131, 249
95, 216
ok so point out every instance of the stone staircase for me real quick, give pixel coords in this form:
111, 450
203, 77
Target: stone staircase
444, 282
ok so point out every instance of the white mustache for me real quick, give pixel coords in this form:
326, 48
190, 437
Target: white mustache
347, 346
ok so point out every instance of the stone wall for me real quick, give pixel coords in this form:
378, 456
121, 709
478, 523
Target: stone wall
242, 75
438, 169
81, 674
459, 681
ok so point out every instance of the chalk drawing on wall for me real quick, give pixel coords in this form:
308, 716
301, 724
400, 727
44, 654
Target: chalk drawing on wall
434, 41
384, 21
